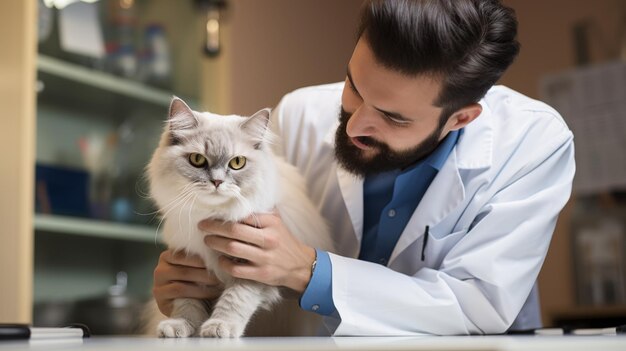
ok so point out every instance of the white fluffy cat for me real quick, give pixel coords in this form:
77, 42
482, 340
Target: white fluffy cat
221, 167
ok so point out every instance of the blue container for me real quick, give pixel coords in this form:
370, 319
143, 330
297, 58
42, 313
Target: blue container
61, 191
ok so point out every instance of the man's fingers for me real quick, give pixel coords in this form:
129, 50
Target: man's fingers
233, 248
211, 226
177, 290
184, 268
164, 274
180, 276
241, 270
238, 231
260, 220
167, 272
182, 259
190, 290
166, 294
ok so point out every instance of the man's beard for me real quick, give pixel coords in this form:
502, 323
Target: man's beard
352, 159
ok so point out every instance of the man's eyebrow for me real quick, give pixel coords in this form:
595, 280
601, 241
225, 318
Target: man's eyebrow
394, 115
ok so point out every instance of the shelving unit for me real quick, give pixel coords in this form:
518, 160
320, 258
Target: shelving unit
58, 259
101, 80
78, 258
96, 228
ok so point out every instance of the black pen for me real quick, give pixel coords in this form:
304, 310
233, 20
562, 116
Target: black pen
425, 242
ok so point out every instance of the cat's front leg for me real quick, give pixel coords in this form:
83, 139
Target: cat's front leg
236, 306
187, 316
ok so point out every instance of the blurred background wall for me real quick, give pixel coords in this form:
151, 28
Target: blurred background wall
274, 46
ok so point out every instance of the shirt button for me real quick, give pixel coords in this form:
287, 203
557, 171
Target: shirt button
315, 308
391, 213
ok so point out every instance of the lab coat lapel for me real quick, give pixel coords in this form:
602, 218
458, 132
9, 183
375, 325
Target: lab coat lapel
352, 192
444, 194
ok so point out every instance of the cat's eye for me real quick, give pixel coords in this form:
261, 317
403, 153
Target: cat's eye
237, 162
197, 160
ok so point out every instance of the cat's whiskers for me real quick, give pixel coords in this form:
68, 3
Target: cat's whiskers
141, 192
180, 213
166, 214
182, 192
181, 198
195, 196
171, 203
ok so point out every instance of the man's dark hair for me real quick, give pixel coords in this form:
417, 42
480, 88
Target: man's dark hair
468, 44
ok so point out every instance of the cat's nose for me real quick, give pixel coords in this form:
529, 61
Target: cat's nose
216, 182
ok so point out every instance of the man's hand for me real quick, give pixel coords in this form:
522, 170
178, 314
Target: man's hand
264, 251
180, 276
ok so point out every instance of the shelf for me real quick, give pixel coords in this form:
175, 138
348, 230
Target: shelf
104, 81
95, 228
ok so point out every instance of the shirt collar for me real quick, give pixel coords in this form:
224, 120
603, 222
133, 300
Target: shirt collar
438, 157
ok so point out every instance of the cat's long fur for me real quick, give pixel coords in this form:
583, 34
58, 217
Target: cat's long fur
185, 195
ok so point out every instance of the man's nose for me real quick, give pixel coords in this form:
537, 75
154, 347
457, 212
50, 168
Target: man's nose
361, 123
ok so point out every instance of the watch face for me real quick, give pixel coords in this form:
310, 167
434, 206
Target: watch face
45, 21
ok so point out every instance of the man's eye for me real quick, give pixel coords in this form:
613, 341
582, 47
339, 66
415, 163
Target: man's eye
353, 89
395, 120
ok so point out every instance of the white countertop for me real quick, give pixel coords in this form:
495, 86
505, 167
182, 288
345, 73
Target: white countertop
464, 343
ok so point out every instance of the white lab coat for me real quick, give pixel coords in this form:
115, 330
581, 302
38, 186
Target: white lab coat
492, 209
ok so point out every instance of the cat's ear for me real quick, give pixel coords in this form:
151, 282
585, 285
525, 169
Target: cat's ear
256, 126
181, 116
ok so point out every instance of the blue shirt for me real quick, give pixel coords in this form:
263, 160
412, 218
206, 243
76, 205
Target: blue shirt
389, 200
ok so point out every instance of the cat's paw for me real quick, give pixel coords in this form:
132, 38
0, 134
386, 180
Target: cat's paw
216, 328
175, 328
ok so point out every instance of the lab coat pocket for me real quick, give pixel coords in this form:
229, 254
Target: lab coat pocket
438, 245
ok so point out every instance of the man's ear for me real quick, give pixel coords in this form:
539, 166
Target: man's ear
464, 116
